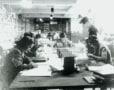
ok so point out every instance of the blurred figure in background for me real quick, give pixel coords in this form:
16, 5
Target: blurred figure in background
63, 41
55, 36
43, 41
49, 36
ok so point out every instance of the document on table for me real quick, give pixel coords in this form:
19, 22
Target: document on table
41, 70
104, 70
56, 63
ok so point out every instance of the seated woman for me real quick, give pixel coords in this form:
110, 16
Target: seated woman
63, 41
49, 36
16, 61
97, 52
32, 52
43, 41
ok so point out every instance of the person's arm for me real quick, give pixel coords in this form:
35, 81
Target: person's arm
70, 43
97, 58
17, 60
101, 58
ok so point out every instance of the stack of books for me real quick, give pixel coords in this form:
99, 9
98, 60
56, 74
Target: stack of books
105, 72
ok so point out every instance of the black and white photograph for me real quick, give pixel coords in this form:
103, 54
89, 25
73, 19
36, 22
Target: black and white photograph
56, 45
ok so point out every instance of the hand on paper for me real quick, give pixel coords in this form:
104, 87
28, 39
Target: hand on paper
34, 65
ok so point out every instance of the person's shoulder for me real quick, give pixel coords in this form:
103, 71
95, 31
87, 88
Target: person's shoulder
15, 51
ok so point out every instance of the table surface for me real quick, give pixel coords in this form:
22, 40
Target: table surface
57, 80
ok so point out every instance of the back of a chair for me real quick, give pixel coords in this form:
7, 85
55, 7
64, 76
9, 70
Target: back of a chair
111, 48
105, 52
2, 62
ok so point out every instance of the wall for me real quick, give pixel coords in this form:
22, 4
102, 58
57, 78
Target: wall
76, 30
29, 25
11, 27
58, 24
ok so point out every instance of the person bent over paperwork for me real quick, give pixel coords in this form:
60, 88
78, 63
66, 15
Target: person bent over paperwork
16, 61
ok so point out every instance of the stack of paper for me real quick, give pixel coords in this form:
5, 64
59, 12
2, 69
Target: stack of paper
41, 70
56, 63
105, 72
105, 69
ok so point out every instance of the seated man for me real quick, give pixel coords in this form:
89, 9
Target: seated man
63, 41
97, 52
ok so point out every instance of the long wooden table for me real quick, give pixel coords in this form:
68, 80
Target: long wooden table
57, 80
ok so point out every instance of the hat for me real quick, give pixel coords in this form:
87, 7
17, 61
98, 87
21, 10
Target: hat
84, 20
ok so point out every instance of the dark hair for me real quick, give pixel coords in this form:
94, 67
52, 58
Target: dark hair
62, 35
38, 36
93, 30
84, 20
49, 34
24, 42
28, 34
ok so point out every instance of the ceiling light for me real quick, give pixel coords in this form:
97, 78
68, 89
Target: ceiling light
26, 3
51, 16
52, 10
41, 20
52, 13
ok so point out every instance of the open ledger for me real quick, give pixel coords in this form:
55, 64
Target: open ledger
106, 71
41, 70
101, 74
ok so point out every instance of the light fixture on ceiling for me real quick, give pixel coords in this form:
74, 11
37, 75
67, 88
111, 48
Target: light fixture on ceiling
52, 13
26, 3
51, 16
41, 20
52, 10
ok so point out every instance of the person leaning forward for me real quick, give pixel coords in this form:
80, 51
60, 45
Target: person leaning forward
15, 61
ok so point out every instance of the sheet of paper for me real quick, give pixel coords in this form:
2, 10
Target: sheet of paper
94, 68
56, 63
105, 69
41, 70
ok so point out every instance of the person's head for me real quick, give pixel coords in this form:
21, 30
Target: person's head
49, 34
93, 31
84, 20
25, 43
62, 35
37, 36
92, 38
30, 34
